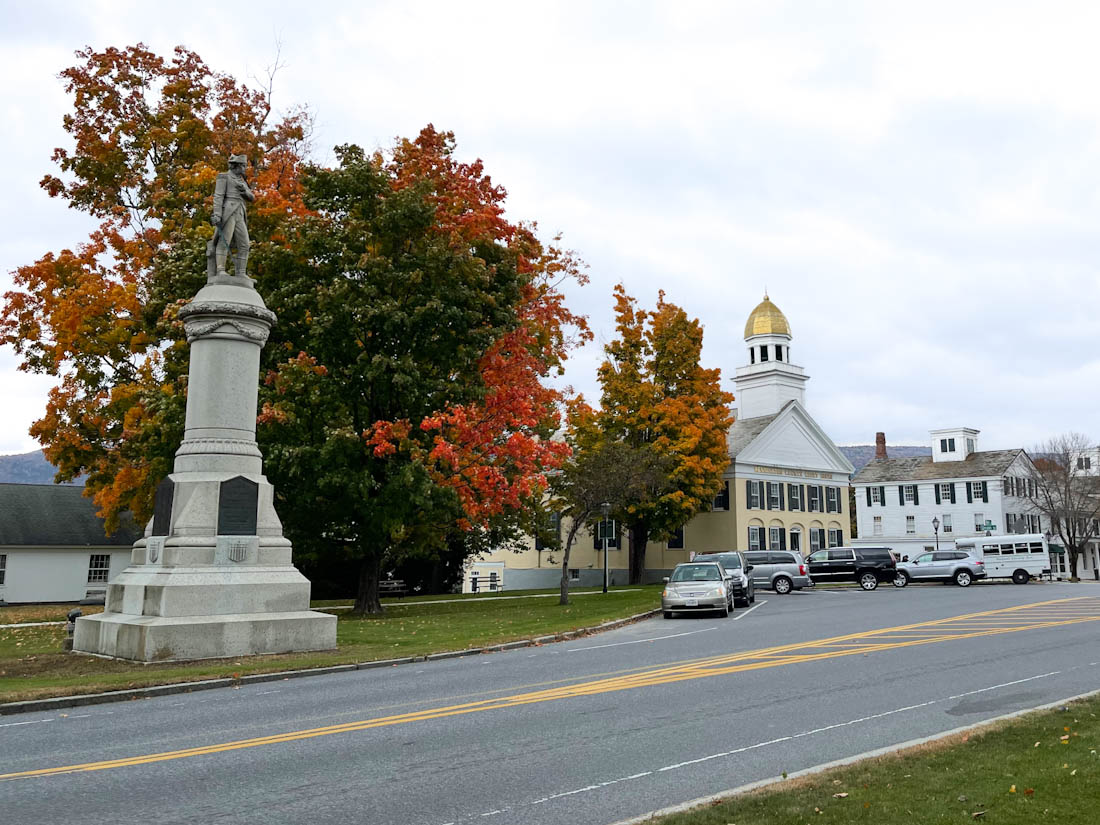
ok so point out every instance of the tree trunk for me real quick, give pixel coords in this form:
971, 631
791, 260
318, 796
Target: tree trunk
639, 538
565, 561
1073, 554
366, 599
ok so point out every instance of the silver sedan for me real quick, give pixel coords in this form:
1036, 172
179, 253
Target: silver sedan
697, 586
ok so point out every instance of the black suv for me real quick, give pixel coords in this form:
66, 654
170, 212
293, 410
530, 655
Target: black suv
866, 565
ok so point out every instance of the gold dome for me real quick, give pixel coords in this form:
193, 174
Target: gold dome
766, 319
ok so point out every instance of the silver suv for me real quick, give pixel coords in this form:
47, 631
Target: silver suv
778, 570
941, 566
739, 570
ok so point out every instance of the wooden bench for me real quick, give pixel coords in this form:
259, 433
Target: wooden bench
392, 587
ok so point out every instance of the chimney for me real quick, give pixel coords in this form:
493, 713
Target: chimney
880, 445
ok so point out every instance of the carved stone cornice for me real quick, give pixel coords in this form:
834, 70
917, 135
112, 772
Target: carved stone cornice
232, 308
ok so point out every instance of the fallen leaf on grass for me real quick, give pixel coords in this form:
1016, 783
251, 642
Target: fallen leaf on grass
1029, 792
1012, 789
977, 814
1037, 744
840, 796
1073, 772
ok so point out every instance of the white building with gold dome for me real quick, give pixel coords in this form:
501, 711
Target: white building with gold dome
786, 486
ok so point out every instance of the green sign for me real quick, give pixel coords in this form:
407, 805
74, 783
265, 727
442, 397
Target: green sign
607, 529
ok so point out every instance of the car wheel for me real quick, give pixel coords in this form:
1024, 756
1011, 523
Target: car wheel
1021, 577
868, 581
962, 578
752, 594
668, 614
901, 579
726, 608
782, 585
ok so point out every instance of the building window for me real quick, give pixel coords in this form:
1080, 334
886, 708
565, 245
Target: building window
773, 496
574, 574
778, 353
876, 495
910, 525
979, 522
1033, 525
3, 566
763, 352
979, 489
722, 500
611, 529
796, 540
754, 494
676, 540
794, 496
775, 538
946, 492
877, 526
970, 445
836, 537
99, 568
815, 540
946, 523
754, 538
752, 355
910, 493
832, 500
1084, 463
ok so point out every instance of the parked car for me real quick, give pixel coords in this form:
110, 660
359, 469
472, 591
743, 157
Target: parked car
697, 586
778, 570
737, 567
942, 566
865, 565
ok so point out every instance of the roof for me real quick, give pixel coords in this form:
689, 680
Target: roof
55, 515
922, 468
766, 319
744, 430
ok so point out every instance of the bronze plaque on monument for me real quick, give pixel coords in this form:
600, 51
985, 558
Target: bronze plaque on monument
237, 507
162, 507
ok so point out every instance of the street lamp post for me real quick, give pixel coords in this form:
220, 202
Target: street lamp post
936, 528
605, 509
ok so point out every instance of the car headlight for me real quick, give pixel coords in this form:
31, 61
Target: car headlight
665, 594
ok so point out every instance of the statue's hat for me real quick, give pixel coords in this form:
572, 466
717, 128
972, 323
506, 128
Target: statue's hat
238, 159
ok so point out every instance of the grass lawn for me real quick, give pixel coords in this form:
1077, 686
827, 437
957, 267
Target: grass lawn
32, 667
1040, 768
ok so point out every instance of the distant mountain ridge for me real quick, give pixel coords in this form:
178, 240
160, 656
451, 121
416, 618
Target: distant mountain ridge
861, 454
28, 468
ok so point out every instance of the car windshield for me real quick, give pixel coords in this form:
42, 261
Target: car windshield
730, 561
696, 573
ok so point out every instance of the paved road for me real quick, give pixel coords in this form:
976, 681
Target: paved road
589, 731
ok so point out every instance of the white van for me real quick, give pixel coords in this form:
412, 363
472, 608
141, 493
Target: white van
1018, 557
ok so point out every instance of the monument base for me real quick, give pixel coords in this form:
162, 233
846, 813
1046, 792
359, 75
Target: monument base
181, 638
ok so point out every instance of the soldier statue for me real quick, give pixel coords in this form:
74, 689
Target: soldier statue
230, 220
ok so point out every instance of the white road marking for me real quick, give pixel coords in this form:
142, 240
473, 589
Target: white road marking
745, 613
32, 722
639, 641
756, 746
265, 692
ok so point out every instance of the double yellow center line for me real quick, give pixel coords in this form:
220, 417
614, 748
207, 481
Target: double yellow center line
1008, 620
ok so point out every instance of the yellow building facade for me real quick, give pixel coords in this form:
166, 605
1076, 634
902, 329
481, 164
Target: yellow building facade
786, 487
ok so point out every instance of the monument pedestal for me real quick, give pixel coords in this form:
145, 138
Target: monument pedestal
212, 576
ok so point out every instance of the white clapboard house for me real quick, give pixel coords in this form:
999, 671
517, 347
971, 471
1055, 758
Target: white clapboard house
910, 504
53, 547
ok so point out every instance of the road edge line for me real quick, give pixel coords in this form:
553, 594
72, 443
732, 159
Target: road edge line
107, 697
721, 796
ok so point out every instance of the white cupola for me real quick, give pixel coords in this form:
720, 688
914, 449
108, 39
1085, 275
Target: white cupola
769, 380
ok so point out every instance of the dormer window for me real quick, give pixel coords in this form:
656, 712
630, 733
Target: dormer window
969, 445
947, 445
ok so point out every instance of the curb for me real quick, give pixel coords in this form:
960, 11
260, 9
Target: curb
722, 796
85, 699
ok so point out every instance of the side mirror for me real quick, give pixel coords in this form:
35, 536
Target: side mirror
748, 568
665, 579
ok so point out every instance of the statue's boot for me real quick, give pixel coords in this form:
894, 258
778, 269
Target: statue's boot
220, 256
240, 263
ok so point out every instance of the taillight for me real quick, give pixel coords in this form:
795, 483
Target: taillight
802, 570
980, 563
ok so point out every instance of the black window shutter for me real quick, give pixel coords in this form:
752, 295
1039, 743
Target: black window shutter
985, 492
952, 492
748, 494
782, 539
782, 504
802, 497
868, 496
936, 490
882, 496
969, 493
767, 495
916, 494
597, 543
901, 494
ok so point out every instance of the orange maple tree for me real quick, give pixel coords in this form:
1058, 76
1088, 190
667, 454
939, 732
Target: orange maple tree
657, 397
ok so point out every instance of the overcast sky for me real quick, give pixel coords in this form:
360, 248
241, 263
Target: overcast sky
915, 184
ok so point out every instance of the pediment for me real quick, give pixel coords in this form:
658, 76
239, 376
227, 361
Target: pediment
795, 440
